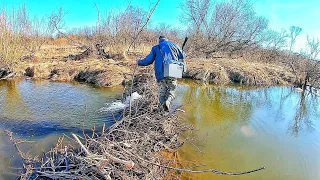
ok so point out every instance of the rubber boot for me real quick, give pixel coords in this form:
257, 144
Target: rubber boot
167, 105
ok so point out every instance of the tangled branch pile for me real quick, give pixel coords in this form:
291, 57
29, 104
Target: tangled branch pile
135, 147
130, 149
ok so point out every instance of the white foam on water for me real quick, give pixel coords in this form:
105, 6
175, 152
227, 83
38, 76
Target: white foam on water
134, 96
114, 106
119, 105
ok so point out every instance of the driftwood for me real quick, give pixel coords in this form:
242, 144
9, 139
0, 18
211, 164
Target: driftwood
132, 148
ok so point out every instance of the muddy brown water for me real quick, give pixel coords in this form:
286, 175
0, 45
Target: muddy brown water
238, 128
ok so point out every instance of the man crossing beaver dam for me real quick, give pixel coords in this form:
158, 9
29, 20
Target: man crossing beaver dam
169, 65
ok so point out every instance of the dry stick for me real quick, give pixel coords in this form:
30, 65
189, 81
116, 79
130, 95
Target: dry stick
104, 127
141, 29
82, 146
13, 140
200, 171
129, 164
133, 74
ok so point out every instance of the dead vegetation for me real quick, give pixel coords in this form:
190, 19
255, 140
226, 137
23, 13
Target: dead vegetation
224, 71
99, 72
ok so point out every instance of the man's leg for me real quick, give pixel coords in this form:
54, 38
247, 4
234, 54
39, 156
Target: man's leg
171, 84
162, 89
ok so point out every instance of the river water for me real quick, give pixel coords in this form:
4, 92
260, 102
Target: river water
237, 128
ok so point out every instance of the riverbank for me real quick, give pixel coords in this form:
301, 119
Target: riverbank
54, 63
239, 71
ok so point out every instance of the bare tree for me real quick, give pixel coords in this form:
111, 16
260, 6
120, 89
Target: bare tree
168, 31
312, 69
230, 26
121, 27
56, 22
293, 61
294, 32
21, 36
195, 12
275, 40
98, 30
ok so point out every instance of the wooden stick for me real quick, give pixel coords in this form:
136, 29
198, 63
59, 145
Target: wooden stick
129, 164
130, 102
141, 29
82, 146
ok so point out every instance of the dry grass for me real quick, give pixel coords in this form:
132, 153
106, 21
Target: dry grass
52, 63
99, 72
224, 71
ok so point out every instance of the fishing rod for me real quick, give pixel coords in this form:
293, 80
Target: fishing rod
184, 43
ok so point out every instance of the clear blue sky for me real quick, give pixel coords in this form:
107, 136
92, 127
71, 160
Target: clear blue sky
285, 13
281, 13
83, 12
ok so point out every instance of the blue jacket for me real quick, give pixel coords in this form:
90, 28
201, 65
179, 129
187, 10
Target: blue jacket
169, 51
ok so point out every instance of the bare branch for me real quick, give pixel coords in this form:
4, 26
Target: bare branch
142, 27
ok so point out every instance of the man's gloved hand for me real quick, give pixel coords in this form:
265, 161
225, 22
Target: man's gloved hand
139, 58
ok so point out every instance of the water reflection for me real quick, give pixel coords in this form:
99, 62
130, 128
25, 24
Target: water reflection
13, 102
302, 121
222, 104
245, 128
213, 106
68, 104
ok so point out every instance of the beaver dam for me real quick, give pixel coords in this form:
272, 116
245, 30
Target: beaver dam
137, 146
